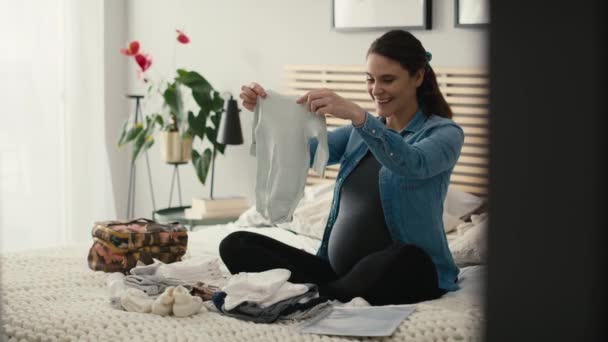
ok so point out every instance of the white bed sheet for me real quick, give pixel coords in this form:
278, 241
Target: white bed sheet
52, 295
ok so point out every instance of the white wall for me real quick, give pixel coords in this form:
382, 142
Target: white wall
117, 105
234, 42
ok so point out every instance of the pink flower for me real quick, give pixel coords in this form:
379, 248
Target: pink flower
132, 50
182, 38
144, 61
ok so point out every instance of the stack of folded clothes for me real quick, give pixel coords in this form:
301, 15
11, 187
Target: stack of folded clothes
266, 297
178, 288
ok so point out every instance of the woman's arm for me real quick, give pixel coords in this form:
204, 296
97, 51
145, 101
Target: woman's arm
435, 153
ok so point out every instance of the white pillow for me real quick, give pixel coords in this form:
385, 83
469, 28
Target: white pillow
315, 191
469, 247
309, 217
450, 222
461, 204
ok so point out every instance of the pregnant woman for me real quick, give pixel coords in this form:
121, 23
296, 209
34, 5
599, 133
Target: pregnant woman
384, 240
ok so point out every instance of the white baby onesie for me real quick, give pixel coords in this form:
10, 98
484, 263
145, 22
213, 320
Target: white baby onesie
281, 130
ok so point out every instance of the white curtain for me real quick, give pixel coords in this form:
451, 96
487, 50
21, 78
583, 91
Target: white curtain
54, 170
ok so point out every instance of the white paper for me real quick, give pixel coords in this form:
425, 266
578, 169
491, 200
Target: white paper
359, 321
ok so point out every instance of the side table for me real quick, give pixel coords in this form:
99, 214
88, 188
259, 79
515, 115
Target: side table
176, 214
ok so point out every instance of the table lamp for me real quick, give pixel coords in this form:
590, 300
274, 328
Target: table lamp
229, 132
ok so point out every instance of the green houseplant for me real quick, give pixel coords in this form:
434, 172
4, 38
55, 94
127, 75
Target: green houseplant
190, 126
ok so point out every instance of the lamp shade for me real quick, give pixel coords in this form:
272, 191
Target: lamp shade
230, 132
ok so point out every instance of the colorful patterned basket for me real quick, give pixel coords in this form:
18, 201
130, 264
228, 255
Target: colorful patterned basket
118, 245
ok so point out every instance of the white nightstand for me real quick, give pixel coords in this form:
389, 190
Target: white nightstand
176, 214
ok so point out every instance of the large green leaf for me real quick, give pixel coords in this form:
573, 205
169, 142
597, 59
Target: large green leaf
215, 119
211, 134
158, 119
140, 141
217, 104
197, 124
201, 164
171, 98
203, 100
220, 148
193, 80
133, 133
123, 133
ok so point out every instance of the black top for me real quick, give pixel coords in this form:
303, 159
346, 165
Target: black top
360, 228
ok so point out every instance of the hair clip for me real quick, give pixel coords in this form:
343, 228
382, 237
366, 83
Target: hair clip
429, 56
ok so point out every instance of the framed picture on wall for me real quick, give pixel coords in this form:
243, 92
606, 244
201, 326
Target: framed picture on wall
365, 15
472, 13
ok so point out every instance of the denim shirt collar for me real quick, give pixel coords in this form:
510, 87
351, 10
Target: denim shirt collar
415, 123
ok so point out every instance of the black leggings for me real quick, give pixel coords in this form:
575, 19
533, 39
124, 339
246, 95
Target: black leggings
399, 274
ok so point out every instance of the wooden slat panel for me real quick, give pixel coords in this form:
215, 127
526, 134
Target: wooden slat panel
473, 160
333, 121
332, 86
469, 110
468, 179
471, 169
367, 105
477, 190
328, 77
362, 68
323, 67
467, 149
465, 89
462, 80
345, 94
474, 130
460, 71
469, 120
467, 100
476, 140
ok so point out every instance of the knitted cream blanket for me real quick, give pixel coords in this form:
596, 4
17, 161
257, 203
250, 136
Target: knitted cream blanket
51, 295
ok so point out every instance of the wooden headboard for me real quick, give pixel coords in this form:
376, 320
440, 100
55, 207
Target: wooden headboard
465, 90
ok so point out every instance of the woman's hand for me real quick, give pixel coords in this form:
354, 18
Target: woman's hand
250, 94
325, 101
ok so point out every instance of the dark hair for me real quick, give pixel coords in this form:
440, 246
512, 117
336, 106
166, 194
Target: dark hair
401, 46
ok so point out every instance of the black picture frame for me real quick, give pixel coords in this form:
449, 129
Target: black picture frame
478, 17
425, 16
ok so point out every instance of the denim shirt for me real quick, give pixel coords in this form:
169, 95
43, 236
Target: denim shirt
416, 165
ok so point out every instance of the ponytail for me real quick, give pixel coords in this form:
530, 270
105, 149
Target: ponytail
429, 96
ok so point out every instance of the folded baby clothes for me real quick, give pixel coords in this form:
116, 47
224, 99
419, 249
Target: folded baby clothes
194, 270
281, 131
143, 269
188, 272
152, 285
252, 311
306, 309
254, 287
286, 291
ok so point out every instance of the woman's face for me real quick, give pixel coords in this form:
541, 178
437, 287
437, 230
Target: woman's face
391, 87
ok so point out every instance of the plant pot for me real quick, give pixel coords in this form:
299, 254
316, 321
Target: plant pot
174, 148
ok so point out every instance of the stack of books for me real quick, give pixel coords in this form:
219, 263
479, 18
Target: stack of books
225, 207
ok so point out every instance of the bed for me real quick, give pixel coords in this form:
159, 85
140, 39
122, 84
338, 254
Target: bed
52, 295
